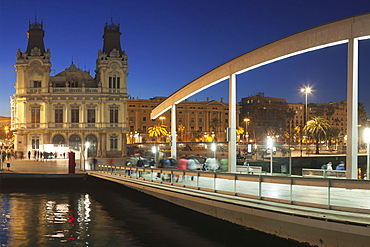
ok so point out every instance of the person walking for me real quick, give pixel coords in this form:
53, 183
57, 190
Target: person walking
140, 163
192, 165
181, 165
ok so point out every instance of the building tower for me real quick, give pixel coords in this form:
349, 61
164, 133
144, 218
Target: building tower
71, 110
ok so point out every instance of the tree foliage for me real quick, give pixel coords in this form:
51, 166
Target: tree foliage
317, 129
157, 131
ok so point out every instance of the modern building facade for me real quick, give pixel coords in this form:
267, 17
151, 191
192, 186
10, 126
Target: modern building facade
72, 107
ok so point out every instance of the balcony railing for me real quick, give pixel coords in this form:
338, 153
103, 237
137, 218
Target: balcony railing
66, 125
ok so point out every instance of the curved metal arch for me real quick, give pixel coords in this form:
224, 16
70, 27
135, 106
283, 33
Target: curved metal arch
334, 33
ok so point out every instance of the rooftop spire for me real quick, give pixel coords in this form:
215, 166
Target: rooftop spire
111, 38
35, 37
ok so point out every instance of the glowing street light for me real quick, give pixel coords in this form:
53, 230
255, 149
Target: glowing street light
367, 140
306, 91
162, 118
246, 120
270, 145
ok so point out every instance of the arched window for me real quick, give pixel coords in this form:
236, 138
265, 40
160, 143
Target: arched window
74, 142
58, 139
91, 152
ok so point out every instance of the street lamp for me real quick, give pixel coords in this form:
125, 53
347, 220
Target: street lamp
213, 147
154, 151
306, 91
270, 145
367, 140
162, 118
246, 120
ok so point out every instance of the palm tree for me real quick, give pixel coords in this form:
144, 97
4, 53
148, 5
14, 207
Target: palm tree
181, 129
333, 135
362, 115
317, 128
196, 135
157, 131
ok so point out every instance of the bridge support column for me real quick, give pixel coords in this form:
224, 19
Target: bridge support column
232, 124
352, 109
173, 132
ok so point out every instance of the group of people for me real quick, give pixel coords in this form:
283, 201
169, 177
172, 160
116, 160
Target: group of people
329, 166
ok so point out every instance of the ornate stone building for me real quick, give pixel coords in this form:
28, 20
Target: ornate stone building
200, 120
72, 107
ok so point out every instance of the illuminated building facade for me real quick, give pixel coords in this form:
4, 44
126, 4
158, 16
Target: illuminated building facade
200, 120
72, 107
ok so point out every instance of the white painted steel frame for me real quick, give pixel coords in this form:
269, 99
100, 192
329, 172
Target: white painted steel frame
348, 30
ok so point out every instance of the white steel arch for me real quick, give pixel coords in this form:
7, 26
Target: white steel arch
349, 30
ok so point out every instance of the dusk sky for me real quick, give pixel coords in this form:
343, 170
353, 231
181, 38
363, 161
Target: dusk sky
169, 43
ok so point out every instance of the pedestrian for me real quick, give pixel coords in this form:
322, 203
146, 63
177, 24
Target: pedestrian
340, 166
94, 162
140, 163
181, 165
329, 166
29, 155
192, 165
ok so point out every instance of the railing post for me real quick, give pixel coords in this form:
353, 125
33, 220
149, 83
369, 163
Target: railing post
260, 187
291, 190
214, 182
329, 194
235, 177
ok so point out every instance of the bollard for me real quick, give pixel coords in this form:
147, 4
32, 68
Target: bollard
71, 162
8, 165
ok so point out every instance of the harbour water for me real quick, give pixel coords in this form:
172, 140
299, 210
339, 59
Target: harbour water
104, 214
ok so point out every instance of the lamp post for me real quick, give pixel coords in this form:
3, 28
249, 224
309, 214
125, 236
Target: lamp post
367, 140
270, 145
154, 151
306, 91
213, 147
162, 118
246, 120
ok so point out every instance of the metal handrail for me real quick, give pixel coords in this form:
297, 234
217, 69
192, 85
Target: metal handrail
285, 189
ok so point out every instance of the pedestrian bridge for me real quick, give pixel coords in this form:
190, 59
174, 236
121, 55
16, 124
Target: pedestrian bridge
347, 31
318, 211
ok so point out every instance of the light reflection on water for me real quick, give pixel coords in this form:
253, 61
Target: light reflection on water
57, 220
114, 216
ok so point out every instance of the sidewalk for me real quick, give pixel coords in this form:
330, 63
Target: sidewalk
50, 166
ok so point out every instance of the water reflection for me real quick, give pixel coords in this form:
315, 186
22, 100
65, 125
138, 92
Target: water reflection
107, 215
